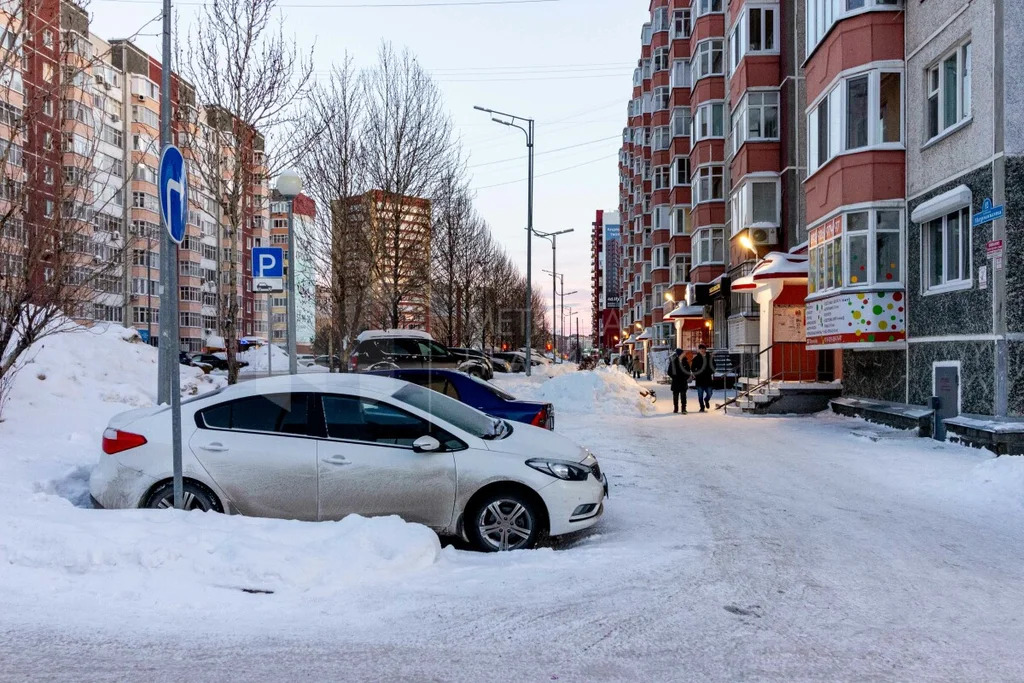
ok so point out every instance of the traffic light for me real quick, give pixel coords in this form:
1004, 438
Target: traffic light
548, 346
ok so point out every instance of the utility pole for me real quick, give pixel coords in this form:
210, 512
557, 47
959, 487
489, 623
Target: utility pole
553, 236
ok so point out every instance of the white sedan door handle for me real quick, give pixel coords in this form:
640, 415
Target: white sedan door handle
215, 447
337, 460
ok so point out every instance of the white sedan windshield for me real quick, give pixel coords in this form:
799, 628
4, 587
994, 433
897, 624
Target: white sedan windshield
451, 411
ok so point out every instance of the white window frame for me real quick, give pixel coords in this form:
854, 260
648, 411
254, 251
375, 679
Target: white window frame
740, 118
701, 8
705, 124
705, 176
871, 280
681, 73
936, 89
662, 178
966, 251
707, 237
680, 214
681, 170
704, 58
681, 260
662, 98
681, 23
741, 202
739, 37
682, 122
661, 59
838, 125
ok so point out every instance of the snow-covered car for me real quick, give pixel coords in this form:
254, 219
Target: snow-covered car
320, 447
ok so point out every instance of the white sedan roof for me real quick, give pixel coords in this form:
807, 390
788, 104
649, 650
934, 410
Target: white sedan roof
328, 382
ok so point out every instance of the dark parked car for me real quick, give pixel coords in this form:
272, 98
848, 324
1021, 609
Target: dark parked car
393, 350
325, 361
516, 360
478, 394
214, 361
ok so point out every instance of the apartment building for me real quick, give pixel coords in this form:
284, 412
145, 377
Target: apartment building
396, 232
606, 279
866, 205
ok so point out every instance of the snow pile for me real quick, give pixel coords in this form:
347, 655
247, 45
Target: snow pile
257, 359
605, 390
1002, 479
70, 386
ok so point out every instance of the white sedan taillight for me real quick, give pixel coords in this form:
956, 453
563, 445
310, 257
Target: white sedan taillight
115, 441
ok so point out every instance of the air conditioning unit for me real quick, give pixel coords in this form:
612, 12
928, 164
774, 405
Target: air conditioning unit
764, 236
114, 118
141, 98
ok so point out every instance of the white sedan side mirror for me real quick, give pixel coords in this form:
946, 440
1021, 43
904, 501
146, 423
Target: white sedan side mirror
426, 444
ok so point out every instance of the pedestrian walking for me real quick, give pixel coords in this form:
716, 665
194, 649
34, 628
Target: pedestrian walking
637, 365
703, 377
679, 372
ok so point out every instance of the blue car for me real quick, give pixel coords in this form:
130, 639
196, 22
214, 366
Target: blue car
477, 393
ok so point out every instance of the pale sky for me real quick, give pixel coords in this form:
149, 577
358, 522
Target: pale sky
566, 63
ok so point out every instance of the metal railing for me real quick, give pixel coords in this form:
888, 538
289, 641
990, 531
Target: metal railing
785, 362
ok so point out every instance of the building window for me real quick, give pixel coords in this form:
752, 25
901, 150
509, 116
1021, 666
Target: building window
858, 249
660, 258
662, 98
861, 111
708, 246
680, 221
946, 251
660, 59
681, 23
822, 14
756, 118
708, 184
708, 60
755, 31
681, 73
707, 6
681, 176
680, 268
949, 91
662, 178
681, 119
660, 221
661, 19
756, 202
710, 121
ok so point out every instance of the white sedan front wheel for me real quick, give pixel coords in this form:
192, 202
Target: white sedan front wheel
504, 521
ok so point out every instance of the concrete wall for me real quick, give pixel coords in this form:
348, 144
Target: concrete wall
973, 144
878, 375
1013, 74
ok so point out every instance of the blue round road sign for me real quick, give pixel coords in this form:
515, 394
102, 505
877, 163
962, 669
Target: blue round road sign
173, 192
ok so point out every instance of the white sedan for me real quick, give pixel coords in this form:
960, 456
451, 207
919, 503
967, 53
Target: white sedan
319, 447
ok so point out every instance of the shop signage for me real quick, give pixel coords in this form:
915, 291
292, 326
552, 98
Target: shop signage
856, 320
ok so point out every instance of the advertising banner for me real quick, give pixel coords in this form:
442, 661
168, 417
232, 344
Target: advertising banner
612, 266
856, 320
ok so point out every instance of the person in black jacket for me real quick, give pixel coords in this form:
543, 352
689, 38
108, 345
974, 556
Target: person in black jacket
703, 377
679, 371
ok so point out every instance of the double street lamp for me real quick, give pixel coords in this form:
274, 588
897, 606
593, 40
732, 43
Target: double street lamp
511, 120
553, 236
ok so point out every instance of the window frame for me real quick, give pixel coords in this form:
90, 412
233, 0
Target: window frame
707, 236
821, 15
964, 54
841, 242
705, 52
311, 409
966, 252
713, 170
706, 119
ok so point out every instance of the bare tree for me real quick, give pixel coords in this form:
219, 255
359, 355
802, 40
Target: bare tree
409, 151
451, 244
61, 251
250, 79
342, 247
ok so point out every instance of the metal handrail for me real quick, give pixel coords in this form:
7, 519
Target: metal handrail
778, 376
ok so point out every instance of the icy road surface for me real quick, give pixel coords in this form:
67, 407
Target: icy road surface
733, 548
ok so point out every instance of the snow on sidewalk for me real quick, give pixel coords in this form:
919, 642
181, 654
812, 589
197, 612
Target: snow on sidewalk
50, 440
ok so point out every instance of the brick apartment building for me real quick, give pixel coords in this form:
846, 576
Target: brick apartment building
817, 173
82, 118
406, 249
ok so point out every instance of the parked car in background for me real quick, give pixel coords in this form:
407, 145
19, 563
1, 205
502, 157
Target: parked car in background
517, 360
216, 361
500, 365
394, 349
305, 359
325, 361
473, 354
479, 394
323, 446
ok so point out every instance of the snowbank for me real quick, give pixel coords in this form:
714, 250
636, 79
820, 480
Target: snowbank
70, 386
257, 360
604, 390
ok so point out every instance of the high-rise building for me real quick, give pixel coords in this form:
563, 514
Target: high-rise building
303, 214
394, 234
816, 175
606, 258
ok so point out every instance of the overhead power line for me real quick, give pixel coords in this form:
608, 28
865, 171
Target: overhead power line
541, 175
443, 79
548, 151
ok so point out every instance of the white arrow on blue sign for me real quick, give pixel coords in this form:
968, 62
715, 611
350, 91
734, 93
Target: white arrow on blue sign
267, 269
988, 213
173, 192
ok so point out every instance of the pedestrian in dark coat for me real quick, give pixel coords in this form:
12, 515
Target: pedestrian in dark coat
703, 377
679, 372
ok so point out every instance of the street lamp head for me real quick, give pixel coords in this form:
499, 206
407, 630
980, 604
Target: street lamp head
669, 297
748, 244
289, 184
479, 108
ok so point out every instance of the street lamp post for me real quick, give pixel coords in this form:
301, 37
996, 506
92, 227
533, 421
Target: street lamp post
289, 186
510, 120
563, 295
553, 236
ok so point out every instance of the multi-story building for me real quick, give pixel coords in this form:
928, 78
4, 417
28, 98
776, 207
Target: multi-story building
606, 280
396, 232
873, 144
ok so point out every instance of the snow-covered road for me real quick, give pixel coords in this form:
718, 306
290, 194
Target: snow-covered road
733, 548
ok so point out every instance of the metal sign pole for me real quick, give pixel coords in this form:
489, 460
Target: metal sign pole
270, 337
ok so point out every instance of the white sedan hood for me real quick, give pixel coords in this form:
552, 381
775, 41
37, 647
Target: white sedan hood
535, 442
